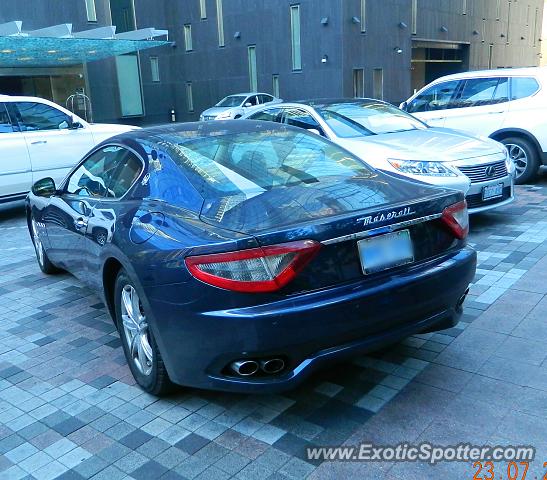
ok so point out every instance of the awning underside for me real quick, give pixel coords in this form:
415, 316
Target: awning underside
58, 46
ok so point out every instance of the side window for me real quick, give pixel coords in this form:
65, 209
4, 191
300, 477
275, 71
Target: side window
94, 176
265, 98
128, 171
480, 91
300, 118
5, 122
38, 116
269, 115
252, 100
434, 98
522, 87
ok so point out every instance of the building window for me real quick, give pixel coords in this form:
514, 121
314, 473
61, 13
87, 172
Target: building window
188, 37
275, 85
220, 24
155, 68
464, 7
91, 10
490, 56
378, 83
363, 16
253, 77
414, 22
483, 31
358, 83
189, 97
202, 9
536, 22
129, 85
295, 38
122, 14
508, 23
498, 9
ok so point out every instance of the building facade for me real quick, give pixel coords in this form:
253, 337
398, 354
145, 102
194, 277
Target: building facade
292, 48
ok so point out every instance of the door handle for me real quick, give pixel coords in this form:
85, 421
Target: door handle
80, 223
38, 142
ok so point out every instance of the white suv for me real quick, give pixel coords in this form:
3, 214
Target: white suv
40, 139
508, 105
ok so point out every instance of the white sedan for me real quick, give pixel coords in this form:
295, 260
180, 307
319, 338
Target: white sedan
38, 139
393, 141
237, 105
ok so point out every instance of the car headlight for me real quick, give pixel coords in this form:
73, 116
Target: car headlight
417, 167
224, 115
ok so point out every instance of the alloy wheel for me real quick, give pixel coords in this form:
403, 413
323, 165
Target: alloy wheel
519, 157
135, 328
37, 243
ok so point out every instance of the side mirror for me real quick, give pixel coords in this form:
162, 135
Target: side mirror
74, 124
44, 187
403, 106
248, 104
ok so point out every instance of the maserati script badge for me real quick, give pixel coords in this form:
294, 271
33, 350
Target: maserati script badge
381, 217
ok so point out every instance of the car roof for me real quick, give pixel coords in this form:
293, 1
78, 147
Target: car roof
196, 130
19, 98
322, 102
247, 94
510, 72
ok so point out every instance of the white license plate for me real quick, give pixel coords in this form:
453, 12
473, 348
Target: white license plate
385, 251
492, 191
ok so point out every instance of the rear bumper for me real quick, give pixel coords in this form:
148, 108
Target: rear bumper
308, 330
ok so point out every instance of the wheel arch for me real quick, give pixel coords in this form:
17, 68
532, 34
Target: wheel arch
518, 132
111, 268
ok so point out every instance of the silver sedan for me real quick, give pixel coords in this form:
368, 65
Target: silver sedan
391, 140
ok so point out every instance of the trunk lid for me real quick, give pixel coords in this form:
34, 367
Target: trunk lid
338, 212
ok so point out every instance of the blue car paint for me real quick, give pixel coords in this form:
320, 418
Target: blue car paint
333, 313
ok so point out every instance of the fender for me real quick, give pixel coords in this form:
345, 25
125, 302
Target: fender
519, 132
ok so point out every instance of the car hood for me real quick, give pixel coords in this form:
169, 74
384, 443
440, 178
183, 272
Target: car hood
317, 203
433, 144
216, 110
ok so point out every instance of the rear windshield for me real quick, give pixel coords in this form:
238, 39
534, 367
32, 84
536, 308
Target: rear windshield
247, 164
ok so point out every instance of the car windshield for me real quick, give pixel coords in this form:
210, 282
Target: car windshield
357, 119
244, 165
231, 101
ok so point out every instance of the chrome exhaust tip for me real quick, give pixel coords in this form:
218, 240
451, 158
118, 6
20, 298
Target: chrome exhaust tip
274, 365
245, 368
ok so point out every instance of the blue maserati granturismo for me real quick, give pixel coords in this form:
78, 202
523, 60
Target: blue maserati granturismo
244, 255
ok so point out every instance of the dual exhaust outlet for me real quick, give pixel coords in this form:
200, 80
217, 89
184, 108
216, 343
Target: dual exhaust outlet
246, 368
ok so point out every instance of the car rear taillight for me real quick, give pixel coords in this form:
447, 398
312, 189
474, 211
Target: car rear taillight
263, 269
456, 218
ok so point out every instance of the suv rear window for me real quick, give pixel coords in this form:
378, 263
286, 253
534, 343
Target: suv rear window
522, 87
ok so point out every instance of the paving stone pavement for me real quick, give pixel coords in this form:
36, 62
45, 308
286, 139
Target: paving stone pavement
69, 408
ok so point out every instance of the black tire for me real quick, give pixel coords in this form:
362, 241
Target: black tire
526, 158
156, 381
41, 256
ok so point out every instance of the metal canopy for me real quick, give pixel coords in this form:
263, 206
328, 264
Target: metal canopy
57, 45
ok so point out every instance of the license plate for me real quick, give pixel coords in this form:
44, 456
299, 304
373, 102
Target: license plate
385, 251
492, 191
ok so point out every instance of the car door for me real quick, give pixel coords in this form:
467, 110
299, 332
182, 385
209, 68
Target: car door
431, 104
15, 166
54, 147
253, 101
107, 211
479, 106
67, 215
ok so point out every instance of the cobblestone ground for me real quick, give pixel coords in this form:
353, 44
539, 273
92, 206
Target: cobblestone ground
69, 407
